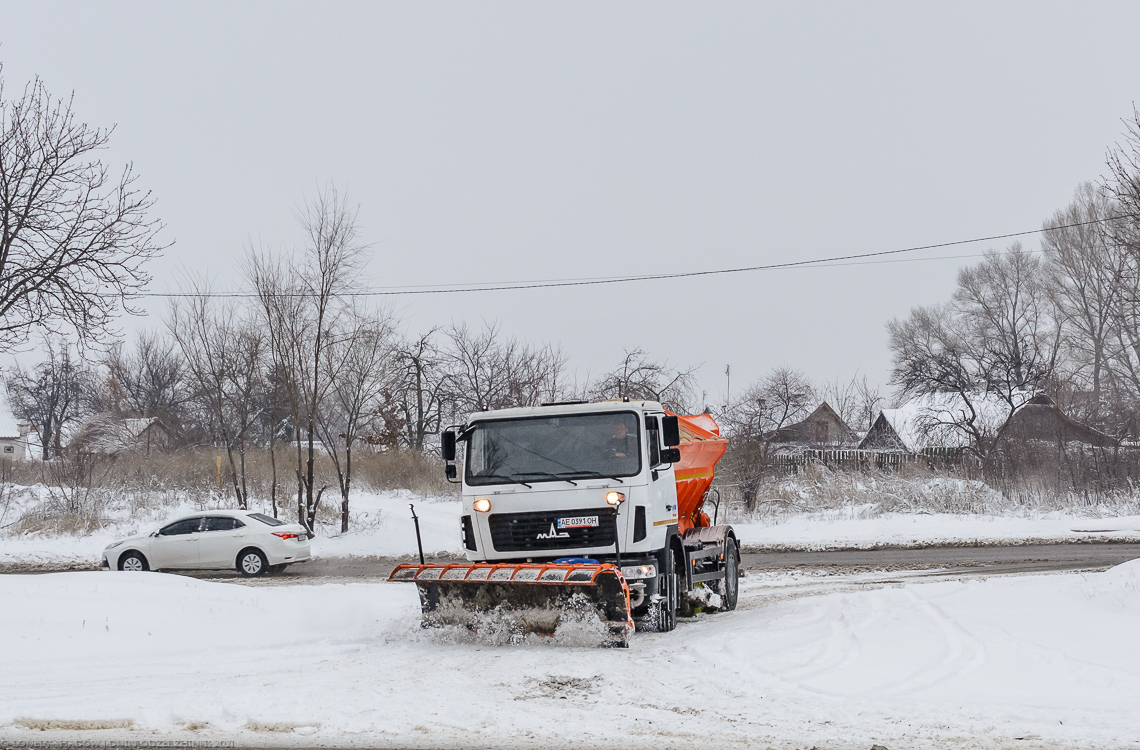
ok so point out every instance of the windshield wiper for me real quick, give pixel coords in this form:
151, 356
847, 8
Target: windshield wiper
557, 477
591, 473
511, 478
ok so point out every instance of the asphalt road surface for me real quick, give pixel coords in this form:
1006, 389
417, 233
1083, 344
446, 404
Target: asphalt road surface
983, 560
1003, 560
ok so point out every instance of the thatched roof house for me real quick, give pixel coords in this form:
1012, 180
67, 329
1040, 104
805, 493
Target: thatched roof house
108, 434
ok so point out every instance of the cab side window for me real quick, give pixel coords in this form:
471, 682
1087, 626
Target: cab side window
178, 528
653, 435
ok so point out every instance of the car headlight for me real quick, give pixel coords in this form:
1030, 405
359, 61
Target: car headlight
111, 546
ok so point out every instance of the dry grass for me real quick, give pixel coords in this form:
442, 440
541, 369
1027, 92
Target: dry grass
816, 488
74, 495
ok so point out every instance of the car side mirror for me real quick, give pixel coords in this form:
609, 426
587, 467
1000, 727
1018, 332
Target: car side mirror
447, 445
154, 533
670, 455
670, 430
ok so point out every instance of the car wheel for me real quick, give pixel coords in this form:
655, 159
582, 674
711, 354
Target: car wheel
251, 562
134, 562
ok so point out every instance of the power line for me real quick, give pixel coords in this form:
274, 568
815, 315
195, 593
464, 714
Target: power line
595, 281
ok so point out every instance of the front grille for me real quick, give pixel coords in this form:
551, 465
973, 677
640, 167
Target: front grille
518, 532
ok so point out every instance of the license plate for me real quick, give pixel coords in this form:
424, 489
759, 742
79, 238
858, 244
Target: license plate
577, 522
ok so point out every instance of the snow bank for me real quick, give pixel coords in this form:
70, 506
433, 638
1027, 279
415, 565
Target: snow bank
1051, 658
384, 527
832, 529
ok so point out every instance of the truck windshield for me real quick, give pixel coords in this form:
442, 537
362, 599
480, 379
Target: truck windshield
548, 449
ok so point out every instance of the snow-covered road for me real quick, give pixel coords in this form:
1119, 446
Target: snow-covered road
973, 664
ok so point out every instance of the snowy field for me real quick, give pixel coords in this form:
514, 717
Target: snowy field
382, 526
1028, 661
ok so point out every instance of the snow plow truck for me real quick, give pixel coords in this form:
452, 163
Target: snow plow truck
582, 512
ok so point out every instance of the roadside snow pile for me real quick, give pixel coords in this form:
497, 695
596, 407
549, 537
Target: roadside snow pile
816, 488
383, 526
1051, 658
831, 530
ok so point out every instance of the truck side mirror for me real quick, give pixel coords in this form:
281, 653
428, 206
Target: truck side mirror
450, 472
670, 431
447, 445
670, 455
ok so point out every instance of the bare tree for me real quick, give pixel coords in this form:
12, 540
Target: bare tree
490, 372
640, 377
856, 401
1011, 328
361, 367
147, 380
51, 394
224, 353
782, 397
1123, 183
302, 300
1084, 273
752, 420
423, 390
73, 238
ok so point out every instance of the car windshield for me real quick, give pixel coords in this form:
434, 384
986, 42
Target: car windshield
547, 449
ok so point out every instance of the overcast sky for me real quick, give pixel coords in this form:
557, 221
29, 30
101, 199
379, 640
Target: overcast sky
520, 141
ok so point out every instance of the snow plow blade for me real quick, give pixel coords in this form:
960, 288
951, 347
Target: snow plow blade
518, 599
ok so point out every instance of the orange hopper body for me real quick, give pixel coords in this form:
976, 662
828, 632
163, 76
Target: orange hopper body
701, 447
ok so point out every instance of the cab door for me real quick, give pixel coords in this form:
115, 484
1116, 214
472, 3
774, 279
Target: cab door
662, 509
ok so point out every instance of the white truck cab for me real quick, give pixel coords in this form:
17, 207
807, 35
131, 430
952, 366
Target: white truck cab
586, 480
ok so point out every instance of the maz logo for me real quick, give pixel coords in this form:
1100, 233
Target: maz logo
554, 534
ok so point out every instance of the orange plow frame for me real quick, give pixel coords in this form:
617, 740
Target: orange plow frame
534, 594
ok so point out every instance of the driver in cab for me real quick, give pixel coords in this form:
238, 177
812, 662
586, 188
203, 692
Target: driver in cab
621, 444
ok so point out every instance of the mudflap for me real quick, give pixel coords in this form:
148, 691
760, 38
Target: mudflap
519, 599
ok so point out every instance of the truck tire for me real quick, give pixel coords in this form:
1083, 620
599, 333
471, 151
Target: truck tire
666, 610
729, 588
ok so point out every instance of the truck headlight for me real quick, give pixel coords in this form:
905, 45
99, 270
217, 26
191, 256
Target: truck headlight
634, 572
482, 505
615, 498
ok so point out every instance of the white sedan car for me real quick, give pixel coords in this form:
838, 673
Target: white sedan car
253, 543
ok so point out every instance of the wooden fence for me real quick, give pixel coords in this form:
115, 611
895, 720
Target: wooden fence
865, 460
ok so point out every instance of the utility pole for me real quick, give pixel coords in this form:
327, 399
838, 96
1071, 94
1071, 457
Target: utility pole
727, 386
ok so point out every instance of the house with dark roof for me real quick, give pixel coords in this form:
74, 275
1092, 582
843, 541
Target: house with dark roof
823, 427
1041, 420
